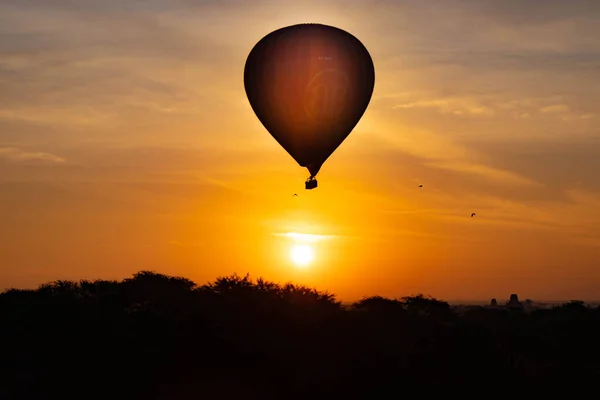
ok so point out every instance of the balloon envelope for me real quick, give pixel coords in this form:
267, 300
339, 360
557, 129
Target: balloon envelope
309, 85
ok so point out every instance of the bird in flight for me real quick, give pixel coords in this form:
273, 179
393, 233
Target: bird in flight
472, 215
420, 185
295, 194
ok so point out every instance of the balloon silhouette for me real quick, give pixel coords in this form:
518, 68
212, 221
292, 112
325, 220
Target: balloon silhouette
309, 85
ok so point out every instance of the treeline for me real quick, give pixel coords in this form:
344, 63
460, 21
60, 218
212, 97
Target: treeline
161, 337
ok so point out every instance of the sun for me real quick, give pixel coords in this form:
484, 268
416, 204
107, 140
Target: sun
302, 254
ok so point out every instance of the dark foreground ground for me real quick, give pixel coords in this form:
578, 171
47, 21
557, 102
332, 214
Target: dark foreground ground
160, 337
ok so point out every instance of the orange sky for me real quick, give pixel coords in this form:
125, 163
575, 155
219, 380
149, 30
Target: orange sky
127, 143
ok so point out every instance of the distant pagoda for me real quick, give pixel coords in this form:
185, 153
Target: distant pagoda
514, 302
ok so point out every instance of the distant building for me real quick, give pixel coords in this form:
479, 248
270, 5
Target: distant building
493, 303
514, 302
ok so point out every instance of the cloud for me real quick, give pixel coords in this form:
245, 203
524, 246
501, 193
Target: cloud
305, 237
15, 154
556, 108
570, 223
442, 152
392, 234
498, 105
454, 106
487, 172
576, 220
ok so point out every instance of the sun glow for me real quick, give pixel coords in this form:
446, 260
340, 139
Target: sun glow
302, 254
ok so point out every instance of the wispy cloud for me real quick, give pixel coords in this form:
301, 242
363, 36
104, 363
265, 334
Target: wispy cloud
455, 106
576, 220
440, 151
493, 174
555, 109
305, 237
498, 105
16, 154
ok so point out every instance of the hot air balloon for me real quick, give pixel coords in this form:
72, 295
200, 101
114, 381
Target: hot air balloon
309, 85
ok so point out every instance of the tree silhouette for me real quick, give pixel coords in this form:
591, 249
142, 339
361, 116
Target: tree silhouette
159, 336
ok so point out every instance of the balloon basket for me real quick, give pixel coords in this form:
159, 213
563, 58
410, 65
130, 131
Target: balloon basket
310, 184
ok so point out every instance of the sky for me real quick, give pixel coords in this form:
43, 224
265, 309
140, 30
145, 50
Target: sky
127, 143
